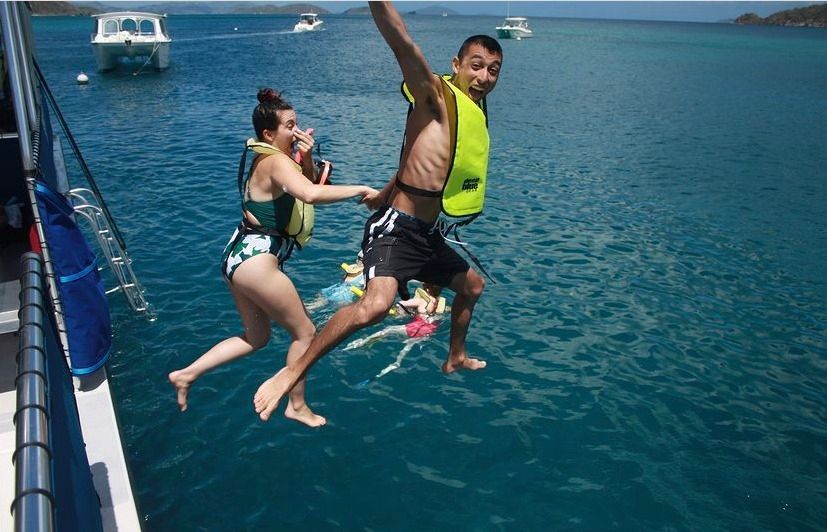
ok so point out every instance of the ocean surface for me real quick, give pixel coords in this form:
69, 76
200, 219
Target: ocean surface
656, 223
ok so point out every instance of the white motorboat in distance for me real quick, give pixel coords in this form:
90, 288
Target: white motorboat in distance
308, 22
514, 28
130, 35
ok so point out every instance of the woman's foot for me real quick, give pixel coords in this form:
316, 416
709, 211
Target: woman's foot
182, 384
303, 414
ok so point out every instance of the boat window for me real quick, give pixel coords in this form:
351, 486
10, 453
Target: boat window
147, 27
110, 27
129, 25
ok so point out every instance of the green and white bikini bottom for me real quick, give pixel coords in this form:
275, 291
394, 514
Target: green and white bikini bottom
244, 245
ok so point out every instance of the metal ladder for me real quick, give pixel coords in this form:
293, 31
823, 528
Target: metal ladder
86, 204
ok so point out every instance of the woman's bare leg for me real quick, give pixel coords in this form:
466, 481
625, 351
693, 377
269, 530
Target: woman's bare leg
273, 291
256, 335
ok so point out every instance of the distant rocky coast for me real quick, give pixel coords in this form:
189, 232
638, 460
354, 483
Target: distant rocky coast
811, 16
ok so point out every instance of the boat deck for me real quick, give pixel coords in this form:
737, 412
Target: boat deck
9, 304
95, 408
8, 402
100, 432
104, 450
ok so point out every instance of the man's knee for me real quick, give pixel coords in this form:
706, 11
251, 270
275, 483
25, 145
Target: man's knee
374, 305
371, 310
471, 285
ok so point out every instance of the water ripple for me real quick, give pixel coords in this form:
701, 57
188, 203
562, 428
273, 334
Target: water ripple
656, 336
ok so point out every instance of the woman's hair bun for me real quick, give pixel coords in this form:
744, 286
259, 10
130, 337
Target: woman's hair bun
268, 95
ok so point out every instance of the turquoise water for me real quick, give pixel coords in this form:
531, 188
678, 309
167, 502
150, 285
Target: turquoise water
657, 338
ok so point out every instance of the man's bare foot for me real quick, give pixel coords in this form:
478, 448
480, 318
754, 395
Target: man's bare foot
465, 362
304, 415
182, 386
269, 394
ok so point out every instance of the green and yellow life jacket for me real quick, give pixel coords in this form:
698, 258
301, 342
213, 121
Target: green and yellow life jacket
298, 226
463, 193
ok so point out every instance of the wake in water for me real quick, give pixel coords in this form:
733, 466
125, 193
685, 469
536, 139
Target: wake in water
234, 35
396, 364
416, 331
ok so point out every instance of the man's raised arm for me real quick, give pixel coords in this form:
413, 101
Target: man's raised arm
418, 75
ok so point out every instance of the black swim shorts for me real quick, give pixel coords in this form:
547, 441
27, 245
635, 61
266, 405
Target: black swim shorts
401, 246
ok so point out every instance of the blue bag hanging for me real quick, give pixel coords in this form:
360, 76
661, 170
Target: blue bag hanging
82, 296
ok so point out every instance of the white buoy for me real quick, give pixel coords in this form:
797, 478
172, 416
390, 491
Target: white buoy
83, 79
235, 29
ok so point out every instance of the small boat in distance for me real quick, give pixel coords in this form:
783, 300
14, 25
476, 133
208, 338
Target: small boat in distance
308, 22
130, 35
514, 28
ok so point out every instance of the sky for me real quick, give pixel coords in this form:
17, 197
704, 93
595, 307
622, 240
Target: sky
691, 11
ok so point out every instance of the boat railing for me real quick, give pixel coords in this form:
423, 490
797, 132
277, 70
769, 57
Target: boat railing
19, 67
33, 505
54, 488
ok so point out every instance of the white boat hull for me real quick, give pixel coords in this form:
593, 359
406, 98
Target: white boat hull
300, 27
514, 33
109, 54
130, 35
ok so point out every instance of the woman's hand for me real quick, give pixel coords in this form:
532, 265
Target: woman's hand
304, 142
370, 198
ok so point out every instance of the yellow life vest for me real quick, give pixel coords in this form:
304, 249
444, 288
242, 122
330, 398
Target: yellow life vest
302, 215
463, 193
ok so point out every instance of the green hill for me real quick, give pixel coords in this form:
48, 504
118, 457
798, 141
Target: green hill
185, 8
61, 9
288, 9
810, 16
364, 10
430, 10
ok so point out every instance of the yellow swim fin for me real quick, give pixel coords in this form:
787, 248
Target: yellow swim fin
351, 269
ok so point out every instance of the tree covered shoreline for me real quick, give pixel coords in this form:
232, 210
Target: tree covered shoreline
811, 17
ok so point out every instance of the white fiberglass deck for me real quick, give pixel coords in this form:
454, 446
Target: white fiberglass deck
100, 432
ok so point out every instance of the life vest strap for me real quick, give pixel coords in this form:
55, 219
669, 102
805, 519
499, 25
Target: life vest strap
444, 228
404, 187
